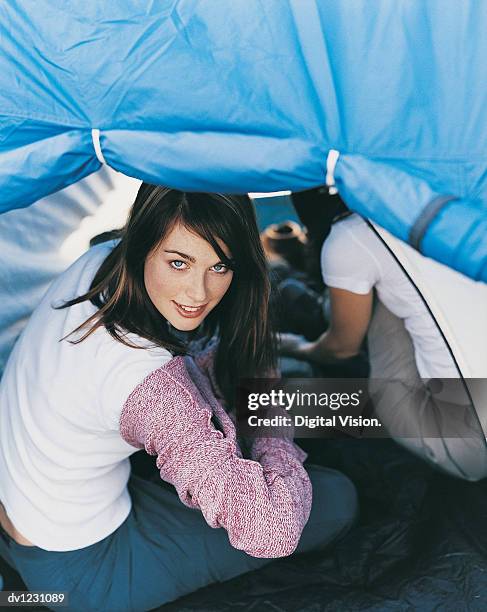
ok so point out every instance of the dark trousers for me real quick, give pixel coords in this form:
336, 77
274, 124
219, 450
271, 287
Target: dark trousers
165, 550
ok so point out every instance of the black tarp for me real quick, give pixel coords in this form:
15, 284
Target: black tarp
420, 543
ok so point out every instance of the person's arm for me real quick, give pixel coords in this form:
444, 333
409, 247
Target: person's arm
350, 317
263, 504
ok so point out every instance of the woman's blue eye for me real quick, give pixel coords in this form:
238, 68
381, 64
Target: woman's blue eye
177, 264
220, 268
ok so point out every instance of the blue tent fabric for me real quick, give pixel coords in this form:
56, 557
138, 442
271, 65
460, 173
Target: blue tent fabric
31, 244
385, 190
250, 96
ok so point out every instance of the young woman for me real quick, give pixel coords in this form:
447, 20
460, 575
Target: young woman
371, 296
99, 372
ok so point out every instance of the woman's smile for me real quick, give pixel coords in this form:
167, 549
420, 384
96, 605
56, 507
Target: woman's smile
190, 312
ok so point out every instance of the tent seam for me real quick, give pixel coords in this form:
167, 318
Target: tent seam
44, 118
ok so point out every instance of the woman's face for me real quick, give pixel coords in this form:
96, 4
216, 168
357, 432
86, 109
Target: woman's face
185, 278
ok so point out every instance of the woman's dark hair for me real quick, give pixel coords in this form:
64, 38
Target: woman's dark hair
246, 346
317, 210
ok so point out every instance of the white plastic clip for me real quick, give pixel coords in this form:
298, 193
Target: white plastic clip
95, 136
331, 162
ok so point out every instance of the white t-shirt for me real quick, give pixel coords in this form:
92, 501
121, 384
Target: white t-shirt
63, 465
355, 259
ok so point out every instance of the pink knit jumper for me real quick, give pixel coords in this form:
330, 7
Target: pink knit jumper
263, 502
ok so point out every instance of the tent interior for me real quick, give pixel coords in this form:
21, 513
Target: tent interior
260, 97
418, 543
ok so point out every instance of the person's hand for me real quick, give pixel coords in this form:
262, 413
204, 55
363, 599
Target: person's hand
292, 345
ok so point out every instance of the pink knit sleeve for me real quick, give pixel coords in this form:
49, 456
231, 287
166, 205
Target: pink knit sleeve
273, 454
263, 504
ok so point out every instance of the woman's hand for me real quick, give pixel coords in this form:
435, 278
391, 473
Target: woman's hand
350, 317
293, 345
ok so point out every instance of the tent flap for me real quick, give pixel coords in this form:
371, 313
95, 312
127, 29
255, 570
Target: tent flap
444, 227
243, 95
